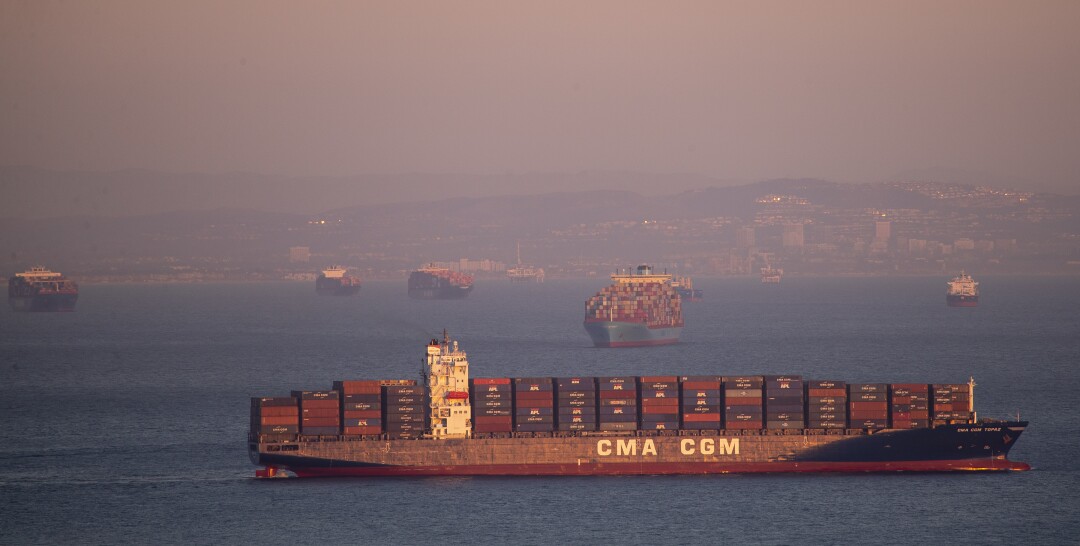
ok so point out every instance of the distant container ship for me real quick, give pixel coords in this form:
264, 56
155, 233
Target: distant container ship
685, 287
454, 424
770, 275
640, 309
334, 281
963, 291
439, 283
39, 289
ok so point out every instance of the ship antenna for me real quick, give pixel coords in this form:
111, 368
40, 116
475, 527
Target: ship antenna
445, 337
971, 398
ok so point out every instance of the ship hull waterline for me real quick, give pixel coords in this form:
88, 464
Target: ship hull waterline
962, 301
609, 334
948, 448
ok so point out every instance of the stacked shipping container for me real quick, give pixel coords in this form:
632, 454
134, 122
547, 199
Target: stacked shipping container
576, 403
868, 405
404, 411
952, 402
826, 404
618, 403
910, 407
654, 303
784, 404
320, 412
275, 416
659, 403
534, 404
361, 407
700, 405
743, 403
492, 404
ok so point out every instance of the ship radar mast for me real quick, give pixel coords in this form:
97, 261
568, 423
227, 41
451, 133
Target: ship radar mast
446, 375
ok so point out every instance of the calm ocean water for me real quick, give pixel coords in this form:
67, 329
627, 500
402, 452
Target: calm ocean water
125, 422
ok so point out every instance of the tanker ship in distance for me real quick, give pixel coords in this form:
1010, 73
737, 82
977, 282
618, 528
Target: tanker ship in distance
452, 424
334, 281
439, 283
963, 291
640, 309
39, 289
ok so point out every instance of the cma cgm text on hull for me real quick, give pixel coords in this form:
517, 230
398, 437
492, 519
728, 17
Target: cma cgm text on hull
456, 425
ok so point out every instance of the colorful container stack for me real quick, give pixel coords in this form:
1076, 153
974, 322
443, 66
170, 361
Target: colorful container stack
404, 410
320, 412
743, 403
659, 403
700, 406
275, 416
952, 402
784, 402
654, 303
868, 405
618, 403
826, 404
575, 403
492, 404
910, 407
534, 404
361, 407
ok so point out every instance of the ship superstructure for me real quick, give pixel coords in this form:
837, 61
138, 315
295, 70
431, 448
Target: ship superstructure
962, 291
335, 281
623, 425
39, 289
640, 308
685, 287
439, 283
524, 273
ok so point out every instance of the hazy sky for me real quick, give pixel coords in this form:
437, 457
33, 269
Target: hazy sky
847, 91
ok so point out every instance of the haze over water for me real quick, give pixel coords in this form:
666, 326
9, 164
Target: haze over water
126, 420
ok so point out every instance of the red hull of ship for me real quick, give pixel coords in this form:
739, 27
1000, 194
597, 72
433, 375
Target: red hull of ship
645, 469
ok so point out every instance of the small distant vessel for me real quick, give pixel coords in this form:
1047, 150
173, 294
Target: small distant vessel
39, 289
333, 281
439, 283
685, 287
963, 291
770, 275
640, 309
524, 273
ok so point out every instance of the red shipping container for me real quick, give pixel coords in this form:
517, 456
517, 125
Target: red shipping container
491, 381
826, 392
654, 410
275, 411
481, 420
701, 417
320, 412
307, 404
659, 379
867, 414
869, 406
630, 394
745, 425
674, 401
534, 395
535, 404
701, 385
321, 422
743, 402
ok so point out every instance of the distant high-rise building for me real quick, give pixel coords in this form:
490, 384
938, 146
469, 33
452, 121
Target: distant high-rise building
299, 254
744, 238
882, 231
794, 236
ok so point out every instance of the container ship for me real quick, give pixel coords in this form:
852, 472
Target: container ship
452, 424
333, 281
963, 291
770, 275
524, 273
39, 289
439, 283
639, 309
685, 287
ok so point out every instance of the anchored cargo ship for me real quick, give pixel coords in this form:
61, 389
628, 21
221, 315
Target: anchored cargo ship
770, 275
685, 287
963, 291
640, 309
439, 283
524, 273
334, 281
456, 425
39, 289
